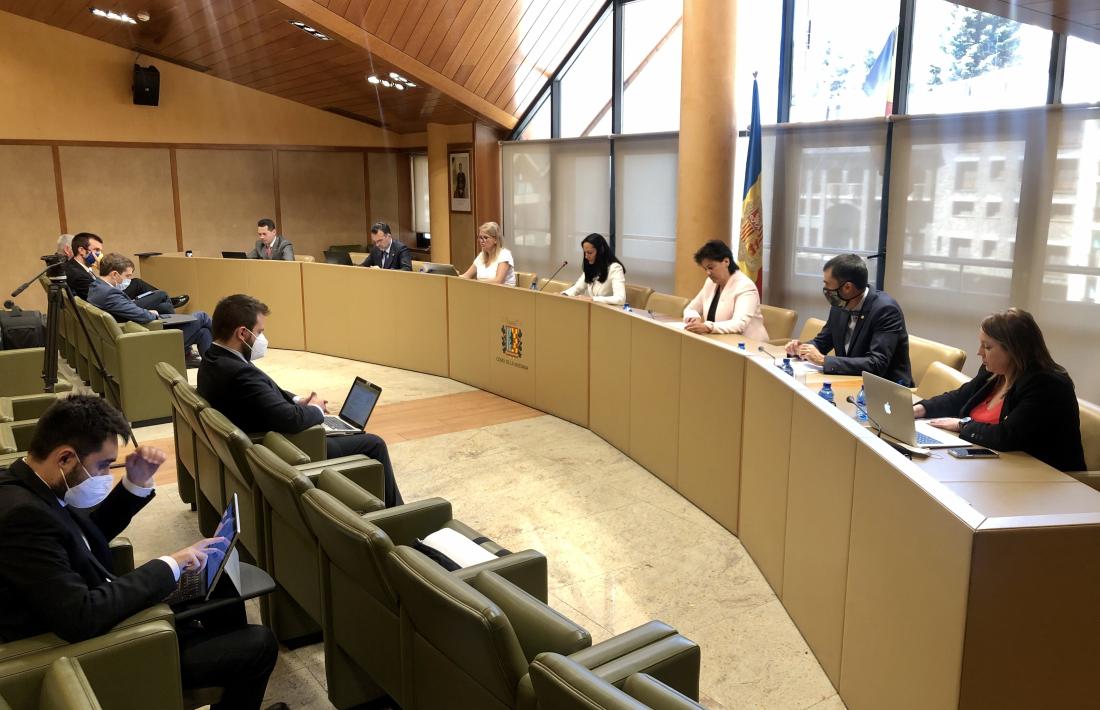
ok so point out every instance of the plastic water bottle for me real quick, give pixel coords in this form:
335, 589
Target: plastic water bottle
741, 347
534, 284
787, 368
826, 393
861, 406
627, 308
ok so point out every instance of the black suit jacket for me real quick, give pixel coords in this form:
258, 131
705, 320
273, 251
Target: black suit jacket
400, 257
248, 397
880, 343
1039, 416
79, 278
50, 580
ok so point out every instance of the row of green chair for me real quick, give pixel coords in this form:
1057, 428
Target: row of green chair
64, 686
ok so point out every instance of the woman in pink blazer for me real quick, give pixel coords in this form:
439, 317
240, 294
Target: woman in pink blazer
728, 301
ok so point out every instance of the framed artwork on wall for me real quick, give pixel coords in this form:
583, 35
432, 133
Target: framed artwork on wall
460, 181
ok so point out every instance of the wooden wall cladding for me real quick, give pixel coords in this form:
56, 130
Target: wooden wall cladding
29, 227
323, 199
122, 194
222, 195
384, 192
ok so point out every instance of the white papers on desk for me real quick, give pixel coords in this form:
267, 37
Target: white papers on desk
801, 367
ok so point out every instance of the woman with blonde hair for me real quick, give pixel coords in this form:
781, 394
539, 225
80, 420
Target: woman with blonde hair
493, 263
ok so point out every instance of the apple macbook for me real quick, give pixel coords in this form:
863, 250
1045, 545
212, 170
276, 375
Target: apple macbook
221, 559
890, 408
356, 411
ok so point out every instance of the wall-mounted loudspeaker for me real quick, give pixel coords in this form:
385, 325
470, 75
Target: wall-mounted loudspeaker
146, 86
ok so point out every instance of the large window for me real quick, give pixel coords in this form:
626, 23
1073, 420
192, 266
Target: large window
1081, 84
586, 86
968, 60
539, 125
843, 59
652, 47
421, 214
646, 210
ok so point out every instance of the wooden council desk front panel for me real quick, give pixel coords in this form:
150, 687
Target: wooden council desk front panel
936, 584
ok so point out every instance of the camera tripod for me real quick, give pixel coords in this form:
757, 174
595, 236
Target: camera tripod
56, 293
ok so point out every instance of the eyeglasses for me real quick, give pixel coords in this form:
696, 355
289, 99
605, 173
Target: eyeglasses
483, 237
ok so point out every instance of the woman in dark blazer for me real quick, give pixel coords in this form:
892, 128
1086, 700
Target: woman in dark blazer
1021, 400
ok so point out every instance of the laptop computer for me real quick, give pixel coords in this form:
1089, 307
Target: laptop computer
430, 267
337, 257
200, 584
234, 255
356, 411
890, 408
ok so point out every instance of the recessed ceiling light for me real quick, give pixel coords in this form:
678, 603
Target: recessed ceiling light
309, 30
386, 83
395, 75
372, 79
399, 87
112, 15
410, 84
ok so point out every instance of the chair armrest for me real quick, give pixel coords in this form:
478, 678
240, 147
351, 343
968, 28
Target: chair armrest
34, 645
65, 687
122, 555
16, 436
538, 627
311, 441
654, 694
627, 642
525, 569
27, 406
364, 472
558, 682
670, 658
406, 523
339, 487
285, 450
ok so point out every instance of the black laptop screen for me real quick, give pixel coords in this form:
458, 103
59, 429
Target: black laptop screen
360, 402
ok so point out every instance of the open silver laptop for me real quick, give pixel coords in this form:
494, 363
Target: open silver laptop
431, 267
890, 408
356, 411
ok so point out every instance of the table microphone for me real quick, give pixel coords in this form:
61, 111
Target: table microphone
563, 265
773, 357
852, 400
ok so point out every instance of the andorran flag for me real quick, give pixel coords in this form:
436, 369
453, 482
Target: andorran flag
750, 248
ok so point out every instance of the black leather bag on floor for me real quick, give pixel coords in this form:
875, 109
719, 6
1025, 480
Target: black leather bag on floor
22, 329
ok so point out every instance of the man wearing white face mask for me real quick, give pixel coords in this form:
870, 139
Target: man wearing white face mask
250, 399
55, 573
108, 293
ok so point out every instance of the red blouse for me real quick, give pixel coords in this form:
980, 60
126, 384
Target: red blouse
985, 415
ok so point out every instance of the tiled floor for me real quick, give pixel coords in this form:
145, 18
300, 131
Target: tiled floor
623, 547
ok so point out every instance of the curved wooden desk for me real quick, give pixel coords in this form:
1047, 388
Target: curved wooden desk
928, 584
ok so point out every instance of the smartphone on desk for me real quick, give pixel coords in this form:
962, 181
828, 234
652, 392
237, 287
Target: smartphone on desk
973, 452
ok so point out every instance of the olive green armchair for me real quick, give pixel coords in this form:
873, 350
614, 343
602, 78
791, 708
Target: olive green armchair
563, 684
64, 687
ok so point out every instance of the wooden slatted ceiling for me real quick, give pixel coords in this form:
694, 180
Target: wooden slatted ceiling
484, 58
501, 50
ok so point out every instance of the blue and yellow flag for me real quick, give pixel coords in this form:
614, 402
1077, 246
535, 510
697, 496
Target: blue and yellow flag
750, 248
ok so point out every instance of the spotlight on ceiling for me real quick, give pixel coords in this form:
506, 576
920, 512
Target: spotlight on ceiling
112, 15
372, 79
310, 30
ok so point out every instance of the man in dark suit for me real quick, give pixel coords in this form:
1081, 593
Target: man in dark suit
107, 293
55, 575
865, 330
230, 381
270, 245
387, 252
84, 252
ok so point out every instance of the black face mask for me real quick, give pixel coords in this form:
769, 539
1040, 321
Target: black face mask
832, 295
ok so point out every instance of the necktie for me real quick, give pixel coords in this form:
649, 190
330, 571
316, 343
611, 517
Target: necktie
267, 251
385, 258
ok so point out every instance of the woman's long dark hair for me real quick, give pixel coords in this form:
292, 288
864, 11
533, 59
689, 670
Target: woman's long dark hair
1019, 334
604, 259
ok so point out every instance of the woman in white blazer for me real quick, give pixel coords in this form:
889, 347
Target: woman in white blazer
728, 301
603, 279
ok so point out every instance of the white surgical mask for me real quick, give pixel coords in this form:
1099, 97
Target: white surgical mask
88, 493
125, 283
258, 348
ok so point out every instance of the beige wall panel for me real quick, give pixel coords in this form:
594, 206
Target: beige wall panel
905, 610
329, 330
655, 397
609, 375
323, 200
214, 279
383, 190
222, 195
1027, 645
473, 338
122, 194
46, 66
819, 515
762, 523
176, 275
712, 381
561, 380
464, 240
29, 226
418, 304
279, 285
511, 375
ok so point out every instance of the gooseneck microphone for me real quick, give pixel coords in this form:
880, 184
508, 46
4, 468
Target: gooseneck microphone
773, 357
563, 265
852, 400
